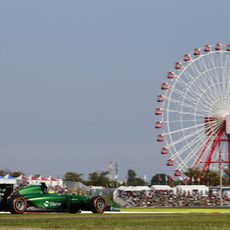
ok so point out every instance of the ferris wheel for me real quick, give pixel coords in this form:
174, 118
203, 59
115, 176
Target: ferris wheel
194, 111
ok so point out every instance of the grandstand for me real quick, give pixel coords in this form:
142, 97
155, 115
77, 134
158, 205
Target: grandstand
165, 196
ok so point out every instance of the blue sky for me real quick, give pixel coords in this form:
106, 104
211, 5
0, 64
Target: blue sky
79, 79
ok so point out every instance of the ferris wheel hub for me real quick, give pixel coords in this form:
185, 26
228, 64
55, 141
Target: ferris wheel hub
223, 110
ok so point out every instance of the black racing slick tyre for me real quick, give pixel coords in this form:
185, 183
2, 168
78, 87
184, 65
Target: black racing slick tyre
98, 205
17, 205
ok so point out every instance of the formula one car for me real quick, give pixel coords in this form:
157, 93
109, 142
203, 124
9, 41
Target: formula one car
36, 197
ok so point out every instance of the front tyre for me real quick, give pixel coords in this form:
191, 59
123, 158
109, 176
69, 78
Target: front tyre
98, 205
17, 205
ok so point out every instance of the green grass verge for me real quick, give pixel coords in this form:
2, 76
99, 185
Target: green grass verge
177, 210
160, 221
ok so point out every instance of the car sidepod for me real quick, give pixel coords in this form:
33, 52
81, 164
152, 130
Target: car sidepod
48, 202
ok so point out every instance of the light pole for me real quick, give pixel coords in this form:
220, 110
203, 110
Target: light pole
145, 179
221, 183
116, 173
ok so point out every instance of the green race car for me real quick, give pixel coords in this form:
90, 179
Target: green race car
36, 197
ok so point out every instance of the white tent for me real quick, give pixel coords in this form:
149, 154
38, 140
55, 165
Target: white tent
161, 188
42, 179
180, 189
51, 181
133, 188
33, 180
21, 177
60, 182
7, 179
22, 180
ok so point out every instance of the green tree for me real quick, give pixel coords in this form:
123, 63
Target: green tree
37, 175
194, 175
133, 180
73, 176
131, 177
226, 178
160, 179
210, 178
2, 172
16, 173
99, 179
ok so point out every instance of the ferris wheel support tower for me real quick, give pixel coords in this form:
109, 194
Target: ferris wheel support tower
223, 135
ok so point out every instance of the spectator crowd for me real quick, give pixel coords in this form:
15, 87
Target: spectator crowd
158, 198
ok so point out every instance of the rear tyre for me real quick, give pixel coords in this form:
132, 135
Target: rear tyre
17, 204
98, 205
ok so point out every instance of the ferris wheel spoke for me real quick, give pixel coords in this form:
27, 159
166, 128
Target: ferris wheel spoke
184, 129
196, 150
190, 77
223, 67
207, 81
198, 86
182, 94
206, 100
184, 120
188, 106
203, 105
198, 147
212, 73
201, 108
182, 139
206, 103
191, 99
216, 101
194, 147
226, 72
198, 140
184, 113
213, 128
215, 70
195, 156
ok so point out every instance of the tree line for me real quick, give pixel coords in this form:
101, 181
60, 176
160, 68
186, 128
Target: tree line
102, 178
193, 176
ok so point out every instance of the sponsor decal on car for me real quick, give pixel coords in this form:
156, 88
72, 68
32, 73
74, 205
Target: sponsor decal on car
51, 204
